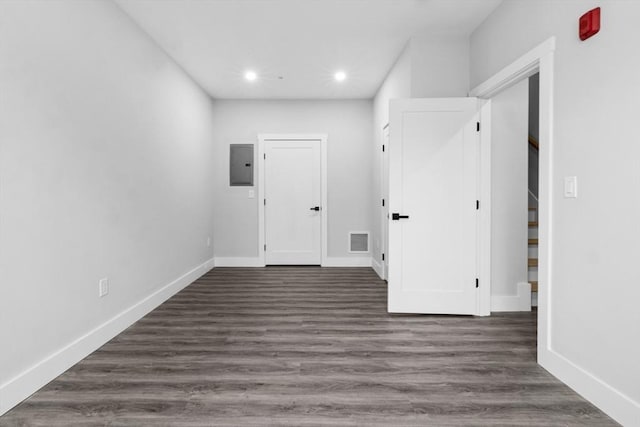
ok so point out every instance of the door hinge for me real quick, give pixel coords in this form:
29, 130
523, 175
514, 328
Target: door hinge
477, 204
383, 257
265, 202
265, 247
382, 147
382, 202
265, 156
477, 282
478, 126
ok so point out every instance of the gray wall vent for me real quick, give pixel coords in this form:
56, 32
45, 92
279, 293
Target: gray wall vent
359, 241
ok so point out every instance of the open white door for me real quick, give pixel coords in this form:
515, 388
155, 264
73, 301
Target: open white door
433, 193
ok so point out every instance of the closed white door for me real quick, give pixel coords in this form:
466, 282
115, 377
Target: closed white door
293, 210
433, 193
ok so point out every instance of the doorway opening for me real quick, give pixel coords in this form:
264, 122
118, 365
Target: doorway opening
539, 61
514, 196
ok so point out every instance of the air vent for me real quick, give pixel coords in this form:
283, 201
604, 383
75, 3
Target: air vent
359, 241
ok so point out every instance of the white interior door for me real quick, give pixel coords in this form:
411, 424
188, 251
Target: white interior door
433, 180
292, 210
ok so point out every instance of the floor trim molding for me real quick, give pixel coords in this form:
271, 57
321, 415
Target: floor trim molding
28, 382
329, 262
613, 402
347, 262
239, 262
377, 267
520, 302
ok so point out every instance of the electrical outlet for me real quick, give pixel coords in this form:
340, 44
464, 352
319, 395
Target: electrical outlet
103, 287
208, 242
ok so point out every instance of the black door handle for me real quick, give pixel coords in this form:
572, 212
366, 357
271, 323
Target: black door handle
397, 216
315, 208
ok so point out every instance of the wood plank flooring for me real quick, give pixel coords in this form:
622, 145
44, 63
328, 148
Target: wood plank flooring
308, 346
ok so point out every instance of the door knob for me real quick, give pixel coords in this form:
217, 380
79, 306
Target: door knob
397, 216
315, 208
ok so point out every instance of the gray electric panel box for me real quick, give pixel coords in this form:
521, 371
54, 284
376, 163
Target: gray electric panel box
241, 165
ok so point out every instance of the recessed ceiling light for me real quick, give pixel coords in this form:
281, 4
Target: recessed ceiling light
250, 76
340, 76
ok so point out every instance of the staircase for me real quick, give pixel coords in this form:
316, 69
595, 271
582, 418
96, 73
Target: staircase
532, 264
532, 272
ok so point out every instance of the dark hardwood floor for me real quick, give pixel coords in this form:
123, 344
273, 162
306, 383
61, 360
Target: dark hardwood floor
308, 347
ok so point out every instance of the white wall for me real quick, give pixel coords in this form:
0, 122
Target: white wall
348, 125
534, 105
509, 196
440, 66
106, 170
397, 84
430, 66
594, 290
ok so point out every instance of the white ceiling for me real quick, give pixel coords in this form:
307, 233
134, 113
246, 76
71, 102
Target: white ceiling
302, 41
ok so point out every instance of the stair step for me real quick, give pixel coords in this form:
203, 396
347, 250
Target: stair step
533, 242
534, 285
533, 223
533, 262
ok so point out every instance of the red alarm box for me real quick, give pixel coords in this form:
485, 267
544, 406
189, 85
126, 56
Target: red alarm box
589, 23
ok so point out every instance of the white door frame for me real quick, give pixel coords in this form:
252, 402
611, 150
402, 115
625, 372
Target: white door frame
540, 59
384, 220
314, 137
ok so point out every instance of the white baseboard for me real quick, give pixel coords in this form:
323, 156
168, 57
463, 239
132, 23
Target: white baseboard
329, 262
377, 267
26, 383
614, 403
520, 302
347, 262
238, 262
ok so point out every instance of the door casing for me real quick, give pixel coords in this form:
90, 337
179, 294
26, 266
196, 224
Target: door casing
320, 139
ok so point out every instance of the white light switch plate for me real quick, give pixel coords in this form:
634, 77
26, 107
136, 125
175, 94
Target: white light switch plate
252, 194
570, 187
103, 287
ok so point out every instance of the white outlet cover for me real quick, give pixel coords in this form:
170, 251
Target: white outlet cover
208, 242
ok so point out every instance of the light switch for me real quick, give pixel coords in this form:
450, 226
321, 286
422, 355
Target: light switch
252, 194
103, 287
570, 187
